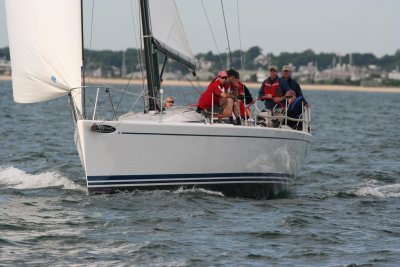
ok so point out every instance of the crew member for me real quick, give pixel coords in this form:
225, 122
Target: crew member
273, 91
294, 109
217, 90
242, 95
292, 83
169, 102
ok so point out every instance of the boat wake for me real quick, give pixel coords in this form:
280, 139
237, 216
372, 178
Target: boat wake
372, 188
15, 178
182, 190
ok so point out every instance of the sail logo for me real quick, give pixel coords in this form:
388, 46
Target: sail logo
54, 79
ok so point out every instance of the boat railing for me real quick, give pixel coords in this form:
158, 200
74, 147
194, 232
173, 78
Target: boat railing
106, 102
302, 123
304, 119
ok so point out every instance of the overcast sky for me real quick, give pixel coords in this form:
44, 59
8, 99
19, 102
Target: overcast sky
339, 26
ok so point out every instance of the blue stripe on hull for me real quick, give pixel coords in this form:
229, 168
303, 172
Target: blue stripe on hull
185, 179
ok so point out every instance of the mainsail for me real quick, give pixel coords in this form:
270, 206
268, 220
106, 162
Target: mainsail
46, 48
168, 31
167, 26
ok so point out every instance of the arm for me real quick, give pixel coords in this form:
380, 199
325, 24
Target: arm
261, 93
248, 96
285, 87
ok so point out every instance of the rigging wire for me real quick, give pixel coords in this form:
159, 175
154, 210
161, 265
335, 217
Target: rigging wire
196, 88
212, 33
227, 37
137, 54
240, 38
199, 85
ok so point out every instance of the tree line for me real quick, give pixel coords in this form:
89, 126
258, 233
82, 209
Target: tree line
97, 58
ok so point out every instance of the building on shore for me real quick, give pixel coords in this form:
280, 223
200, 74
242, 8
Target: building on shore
5, 66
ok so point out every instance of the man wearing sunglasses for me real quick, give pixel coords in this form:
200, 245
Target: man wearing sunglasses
294, 109
216, 91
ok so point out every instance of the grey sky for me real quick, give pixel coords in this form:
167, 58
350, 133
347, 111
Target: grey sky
340, 26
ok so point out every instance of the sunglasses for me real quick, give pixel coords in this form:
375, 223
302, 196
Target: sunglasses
224, 78
170, 102
273, 70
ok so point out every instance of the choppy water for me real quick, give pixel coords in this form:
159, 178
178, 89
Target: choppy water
343, 209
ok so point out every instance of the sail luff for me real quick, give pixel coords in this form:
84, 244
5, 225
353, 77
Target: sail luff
82, 90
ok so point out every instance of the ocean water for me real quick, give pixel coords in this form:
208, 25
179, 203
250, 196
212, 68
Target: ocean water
342, 210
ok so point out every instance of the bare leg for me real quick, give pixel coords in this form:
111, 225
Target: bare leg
236, 109
227, 104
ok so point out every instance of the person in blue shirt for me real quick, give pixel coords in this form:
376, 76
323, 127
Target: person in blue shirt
295, 109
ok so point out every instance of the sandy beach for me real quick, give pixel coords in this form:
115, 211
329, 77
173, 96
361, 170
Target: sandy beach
203, 84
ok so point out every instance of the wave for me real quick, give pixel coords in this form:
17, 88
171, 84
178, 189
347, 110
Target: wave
373, 189
15, 178
197, 190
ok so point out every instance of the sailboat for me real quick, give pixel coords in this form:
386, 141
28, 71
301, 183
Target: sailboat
128, 152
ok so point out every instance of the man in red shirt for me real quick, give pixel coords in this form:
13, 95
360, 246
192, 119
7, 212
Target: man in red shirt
217, 90
242, 96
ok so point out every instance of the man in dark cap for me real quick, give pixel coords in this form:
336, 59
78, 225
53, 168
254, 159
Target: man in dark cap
273, 91
242, 93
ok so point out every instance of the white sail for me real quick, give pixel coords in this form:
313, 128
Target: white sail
46, 48
167, 26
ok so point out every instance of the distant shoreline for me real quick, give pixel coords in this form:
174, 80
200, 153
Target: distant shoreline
311, 87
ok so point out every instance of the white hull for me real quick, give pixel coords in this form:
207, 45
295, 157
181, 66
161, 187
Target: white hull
171, 148
237, 160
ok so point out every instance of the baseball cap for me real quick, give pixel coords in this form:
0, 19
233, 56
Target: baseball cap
275, 67
286, 67
222, 74
291, 93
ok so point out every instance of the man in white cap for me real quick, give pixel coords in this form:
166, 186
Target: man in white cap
293, 85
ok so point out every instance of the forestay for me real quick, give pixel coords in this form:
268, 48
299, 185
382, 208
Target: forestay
167, 25
46, 48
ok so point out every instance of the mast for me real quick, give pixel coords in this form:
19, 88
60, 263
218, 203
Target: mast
83, 69
153, 79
